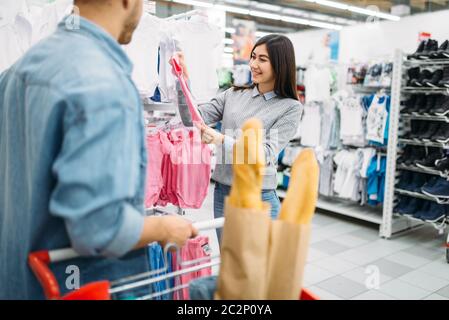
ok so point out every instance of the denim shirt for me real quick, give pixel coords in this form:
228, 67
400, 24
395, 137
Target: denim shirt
72, 161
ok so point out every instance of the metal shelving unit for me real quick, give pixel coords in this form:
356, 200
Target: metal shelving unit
409, 90
431, 62
346, 207
423, 143
407, 116
390, 223
415, 195
399, 93
160, 106
418, 169
358, 88
169, 108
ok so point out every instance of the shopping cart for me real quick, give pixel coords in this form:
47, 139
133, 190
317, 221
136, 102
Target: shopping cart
105, 290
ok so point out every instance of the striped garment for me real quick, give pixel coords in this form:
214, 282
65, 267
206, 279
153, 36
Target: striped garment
280, 118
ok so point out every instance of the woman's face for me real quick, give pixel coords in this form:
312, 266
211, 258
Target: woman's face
261, 68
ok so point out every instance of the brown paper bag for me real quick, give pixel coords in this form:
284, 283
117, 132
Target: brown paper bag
244, 254
289, 243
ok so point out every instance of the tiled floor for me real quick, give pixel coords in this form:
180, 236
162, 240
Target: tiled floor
348, 260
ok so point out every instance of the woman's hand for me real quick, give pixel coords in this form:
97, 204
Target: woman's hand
209, 135
182, 63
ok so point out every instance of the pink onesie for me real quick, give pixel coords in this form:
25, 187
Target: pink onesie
194, 249
157, 146
193, 176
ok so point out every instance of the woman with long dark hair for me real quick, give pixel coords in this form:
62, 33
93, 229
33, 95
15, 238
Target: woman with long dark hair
272, 98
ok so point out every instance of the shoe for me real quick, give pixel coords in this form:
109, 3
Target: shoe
441, 134
402, 204
439, 161
431, 182
418, 181
413, 206
425, 75
408, 104
437, 76
429, 161
420, 103
423, 210
430, 48
431, 130
442, 164
413, 74
438, 190
405, 155
441, 106
442, 52
418, 51
444, 82
422, 129
416, 153
405, 180
434, 213
415, 128
430, 104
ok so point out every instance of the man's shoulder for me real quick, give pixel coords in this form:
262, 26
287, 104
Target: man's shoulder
66, 61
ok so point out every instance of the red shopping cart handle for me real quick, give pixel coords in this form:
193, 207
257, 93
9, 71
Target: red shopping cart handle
307, 295
38, 262
93, 291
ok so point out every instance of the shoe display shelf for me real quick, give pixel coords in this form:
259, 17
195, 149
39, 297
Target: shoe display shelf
425, 90
362, 89
399, 124
150, 106
414, 116
415, 142
429, 62
421, 170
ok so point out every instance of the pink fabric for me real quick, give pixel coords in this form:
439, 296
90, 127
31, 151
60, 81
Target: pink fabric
179, 169
193, 176
196, 117
157, 146
194, 249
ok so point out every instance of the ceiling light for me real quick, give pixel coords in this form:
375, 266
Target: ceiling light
266, 6
232, 9
374, 13
266, 15
239, 2
355, 9
312, 23
263, 14
195, 3
332, 4
228, 50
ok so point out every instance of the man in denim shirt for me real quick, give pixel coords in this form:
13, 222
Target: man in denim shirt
72, 155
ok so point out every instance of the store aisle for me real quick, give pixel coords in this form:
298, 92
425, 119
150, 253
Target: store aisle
345, 255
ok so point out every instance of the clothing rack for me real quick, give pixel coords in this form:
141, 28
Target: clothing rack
344, 206
170, 108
